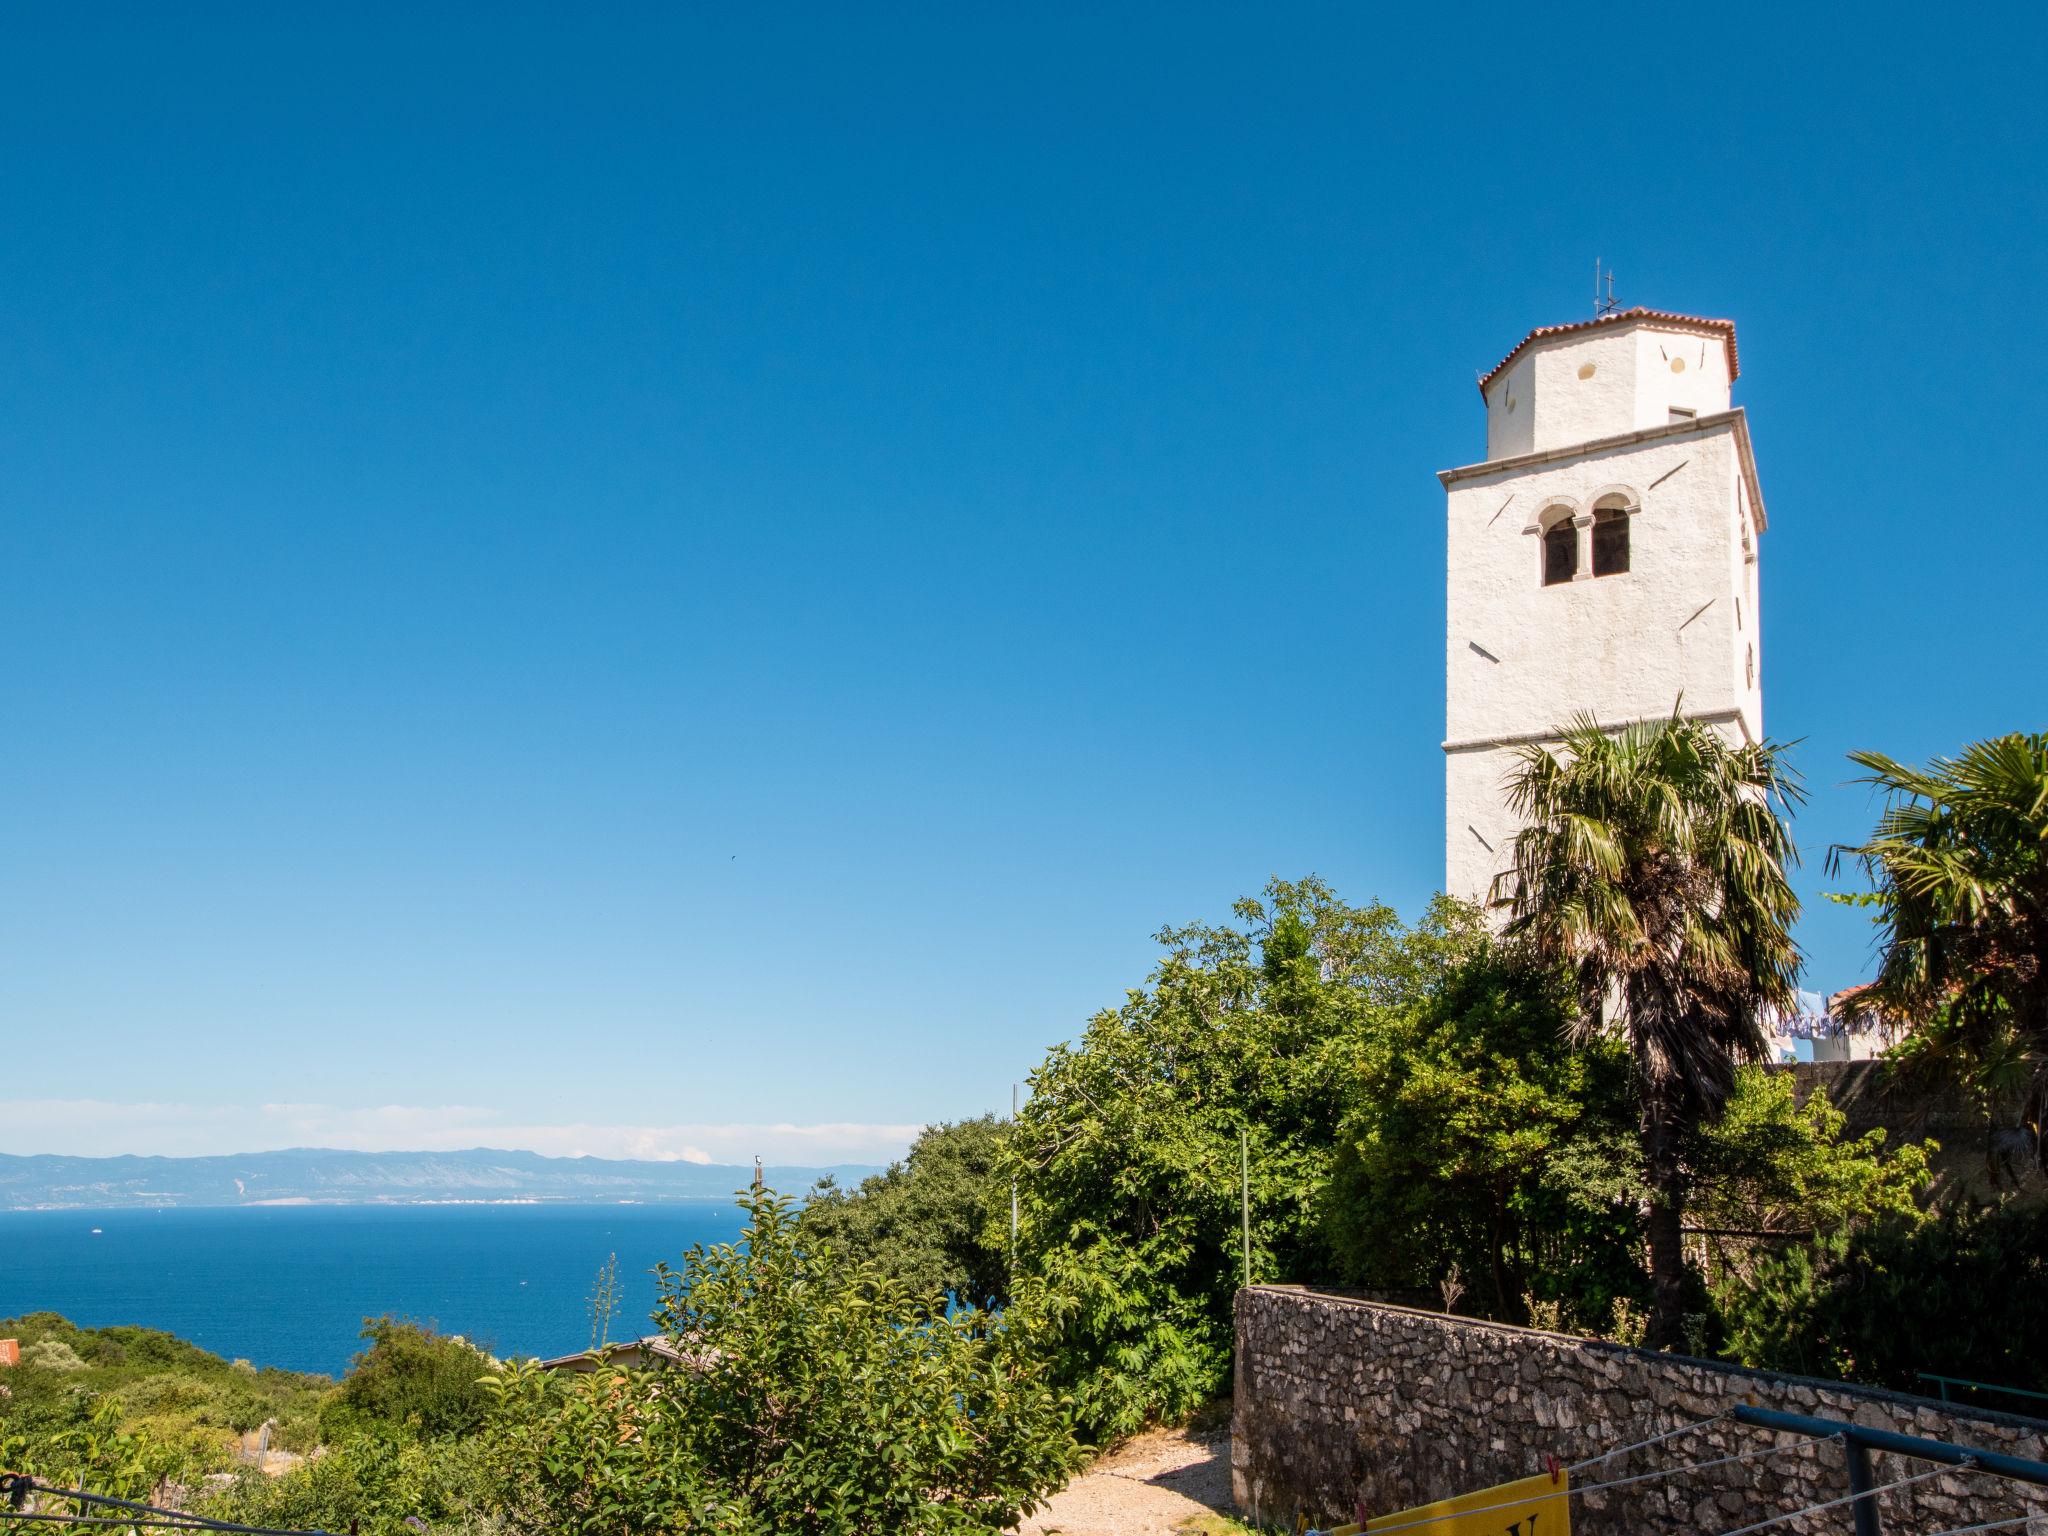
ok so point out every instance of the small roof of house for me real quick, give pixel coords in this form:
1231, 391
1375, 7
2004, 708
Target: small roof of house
1724, 329
659, 1345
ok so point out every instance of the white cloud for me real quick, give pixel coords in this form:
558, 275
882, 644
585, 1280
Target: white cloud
101, 1127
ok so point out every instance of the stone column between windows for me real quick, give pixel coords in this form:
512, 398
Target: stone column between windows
1583, 523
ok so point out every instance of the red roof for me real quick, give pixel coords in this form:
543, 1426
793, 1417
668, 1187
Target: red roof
1725, 329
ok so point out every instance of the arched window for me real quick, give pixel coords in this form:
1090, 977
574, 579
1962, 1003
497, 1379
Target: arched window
1560, 550
1610, 540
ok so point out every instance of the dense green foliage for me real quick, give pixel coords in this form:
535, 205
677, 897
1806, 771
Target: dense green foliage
1959, 862
1772, 1165
379, 1483
1479, 1150
818, 1397
1128, 1153
1651, 865
1417, 1120
1963, 1294
410, 1380
134, 1403
929, 1220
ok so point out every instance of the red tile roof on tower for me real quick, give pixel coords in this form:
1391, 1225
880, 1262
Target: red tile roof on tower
1725, 329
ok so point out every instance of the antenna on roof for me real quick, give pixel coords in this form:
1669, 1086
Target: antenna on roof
1603, 305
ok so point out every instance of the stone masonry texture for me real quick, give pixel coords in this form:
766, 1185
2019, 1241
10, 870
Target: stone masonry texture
1341, 1401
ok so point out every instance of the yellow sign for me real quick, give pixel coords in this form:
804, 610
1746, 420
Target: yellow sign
1535, 1506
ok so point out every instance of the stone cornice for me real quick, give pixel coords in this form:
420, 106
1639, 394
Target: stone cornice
1730, 420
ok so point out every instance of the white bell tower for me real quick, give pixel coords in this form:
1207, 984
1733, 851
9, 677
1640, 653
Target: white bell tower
1601, 561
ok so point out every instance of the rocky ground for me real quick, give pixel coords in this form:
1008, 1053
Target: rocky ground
1170, 1482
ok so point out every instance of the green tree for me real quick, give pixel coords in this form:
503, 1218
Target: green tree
1128, 1152
410, 1381
829, 1398
1963, 1294
1769, 1164
1959, 863
1651, 864
937, 1221
817, 1397
1477, 1139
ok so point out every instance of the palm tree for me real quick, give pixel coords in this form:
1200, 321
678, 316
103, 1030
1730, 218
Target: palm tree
1652, 866
1959, 862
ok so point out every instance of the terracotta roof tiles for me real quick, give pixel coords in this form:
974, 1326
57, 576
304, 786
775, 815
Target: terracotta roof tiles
1725, 329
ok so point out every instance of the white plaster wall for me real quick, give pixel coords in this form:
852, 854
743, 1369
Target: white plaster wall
1746, 656
1677, 368
1479, 830
1570, 409
1510, 416
1601, 383
1619, 647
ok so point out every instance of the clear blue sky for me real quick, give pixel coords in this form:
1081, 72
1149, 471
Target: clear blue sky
611, 580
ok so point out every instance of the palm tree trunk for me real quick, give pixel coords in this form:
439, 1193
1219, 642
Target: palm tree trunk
1667, 1215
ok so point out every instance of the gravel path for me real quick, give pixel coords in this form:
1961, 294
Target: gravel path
1161, 1484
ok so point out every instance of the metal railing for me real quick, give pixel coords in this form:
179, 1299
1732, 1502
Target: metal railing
1945, 1382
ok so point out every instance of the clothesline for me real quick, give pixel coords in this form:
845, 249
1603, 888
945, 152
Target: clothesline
15, 1488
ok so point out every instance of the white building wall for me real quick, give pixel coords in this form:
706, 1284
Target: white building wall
1522, 658
1586, 385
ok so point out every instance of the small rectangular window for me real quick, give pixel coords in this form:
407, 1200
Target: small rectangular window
1680, 413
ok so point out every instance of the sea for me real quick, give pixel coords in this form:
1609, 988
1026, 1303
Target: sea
291, 1286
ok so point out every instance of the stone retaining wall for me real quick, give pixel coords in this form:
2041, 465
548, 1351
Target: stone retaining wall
1341, 1400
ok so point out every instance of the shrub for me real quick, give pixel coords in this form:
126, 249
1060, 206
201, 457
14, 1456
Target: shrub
1128, 1154
1478, 1141
410, 1381
935, 1221
1963, 1294
52, 1355
820, 1398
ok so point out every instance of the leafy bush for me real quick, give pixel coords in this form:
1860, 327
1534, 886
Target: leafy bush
1128, 1153
820, 1398
383, 1487
937, 1221
410, 1381
1477, 1141
181, 1406
1962, 1294
52, 1355
77, 1441
1772, 1164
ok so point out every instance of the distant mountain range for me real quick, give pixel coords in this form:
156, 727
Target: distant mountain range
313, 1176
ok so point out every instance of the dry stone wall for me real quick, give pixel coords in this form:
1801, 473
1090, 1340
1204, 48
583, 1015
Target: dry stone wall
1341, 1400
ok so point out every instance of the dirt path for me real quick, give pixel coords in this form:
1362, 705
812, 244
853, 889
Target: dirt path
1165, 1483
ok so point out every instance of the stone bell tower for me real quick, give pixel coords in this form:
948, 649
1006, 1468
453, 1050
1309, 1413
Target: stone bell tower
1601, 560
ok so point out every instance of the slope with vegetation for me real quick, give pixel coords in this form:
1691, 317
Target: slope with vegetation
1562, 1123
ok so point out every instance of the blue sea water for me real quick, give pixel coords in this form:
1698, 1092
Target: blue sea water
291, 1285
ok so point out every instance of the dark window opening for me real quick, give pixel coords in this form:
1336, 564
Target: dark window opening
1610, 541
1560, 553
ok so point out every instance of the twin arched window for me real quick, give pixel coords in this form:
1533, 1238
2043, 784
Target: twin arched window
1610, 522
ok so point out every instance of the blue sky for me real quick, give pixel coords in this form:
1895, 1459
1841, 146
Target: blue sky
699, 581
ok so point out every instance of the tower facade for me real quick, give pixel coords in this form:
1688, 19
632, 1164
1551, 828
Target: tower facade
1601, 561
